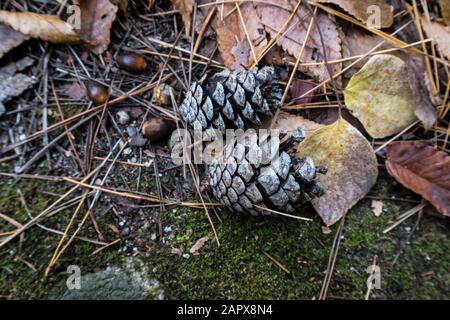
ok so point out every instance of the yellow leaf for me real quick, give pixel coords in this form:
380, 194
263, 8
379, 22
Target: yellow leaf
352, 167
379, 95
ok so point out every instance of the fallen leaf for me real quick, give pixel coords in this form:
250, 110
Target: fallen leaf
9, 39
422, 169
377, 207
43, 26
75, 91
356, 42
12, 83
277, 56
440, 34
287, 123
352, 168
366, 10
232, 40
333, 115
185, 8
418, 79
198, 245
97, 17
123, 4
379, 95
445, 9
273, 18
299, 88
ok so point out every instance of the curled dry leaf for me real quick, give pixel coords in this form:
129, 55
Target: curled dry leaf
97, 17
440, 34
418, 80
273, 18
96, 20
379, 95
422, 169
46, 27
9, 39
352, 167
198, 245
366, 11
232, 40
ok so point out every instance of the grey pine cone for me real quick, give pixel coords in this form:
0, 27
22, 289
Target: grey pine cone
229, 99
276, 182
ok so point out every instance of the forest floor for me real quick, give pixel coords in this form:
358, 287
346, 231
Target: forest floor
413, 260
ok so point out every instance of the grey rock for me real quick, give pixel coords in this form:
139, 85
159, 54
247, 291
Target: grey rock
123, 117
138, 141
129, 281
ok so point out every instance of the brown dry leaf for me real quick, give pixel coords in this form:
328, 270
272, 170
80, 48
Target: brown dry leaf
299, 88
97, 17
356, 42
75, 91
123, 4
352, 167
445, 9
46, 27
379, 95
9, 39
440, 34
361, 10
232, 40
273, 17
377, 207
422, 169
287, 123
185, 7
418, 79
198, 245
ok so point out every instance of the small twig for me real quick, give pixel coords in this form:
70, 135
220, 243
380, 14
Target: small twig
277, 263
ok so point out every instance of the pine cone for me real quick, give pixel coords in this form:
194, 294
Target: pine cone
230, 99
277, 182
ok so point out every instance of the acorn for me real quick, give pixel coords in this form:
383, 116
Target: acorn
97, 92
156, 130
162, 94
131, 62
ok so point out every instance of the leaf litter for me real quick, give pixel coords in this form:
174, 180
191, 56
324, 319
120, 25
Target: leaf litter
387, 93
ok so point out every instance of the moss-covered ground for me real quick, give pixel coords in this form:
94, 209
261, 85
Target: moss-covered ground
240, 268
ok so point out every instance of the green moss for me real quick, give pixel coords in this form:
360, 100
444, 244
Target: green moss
18, 280
239, 268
